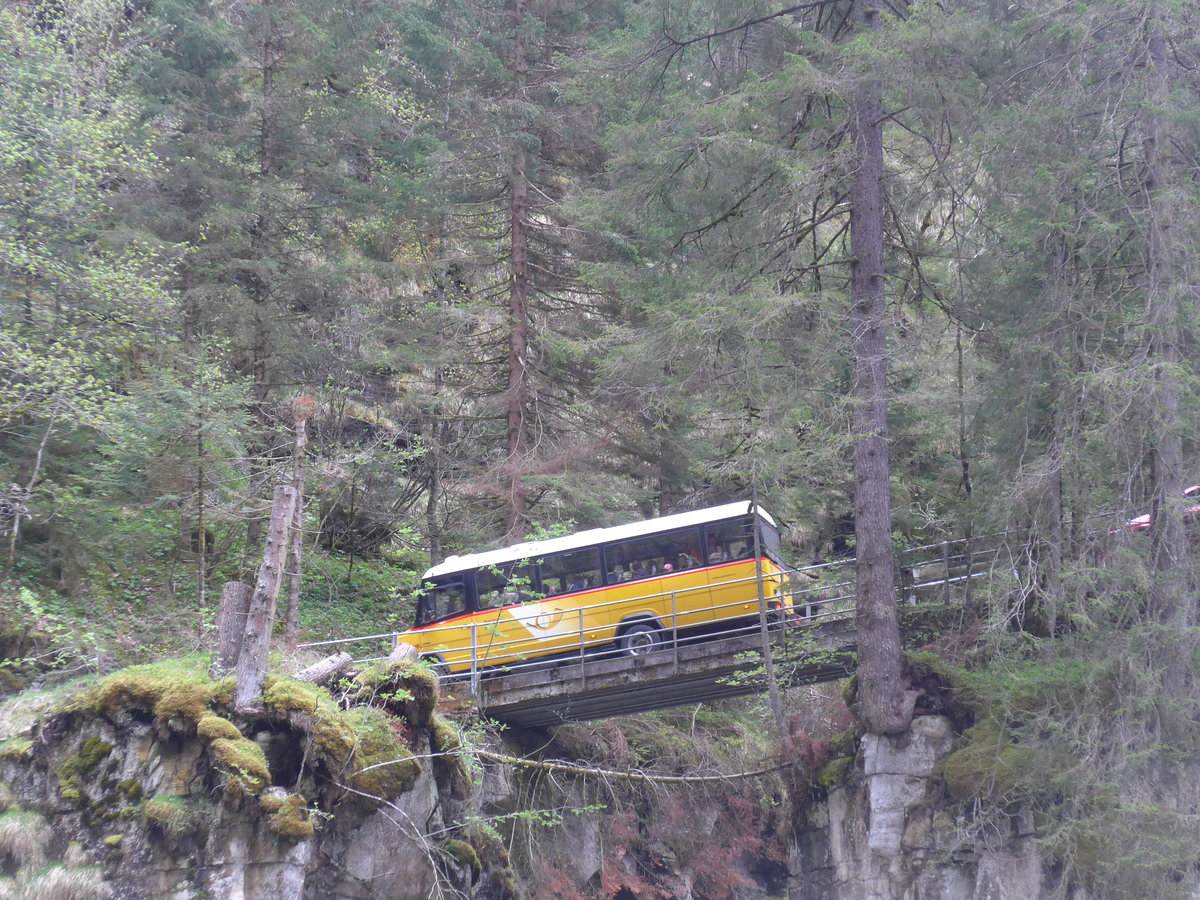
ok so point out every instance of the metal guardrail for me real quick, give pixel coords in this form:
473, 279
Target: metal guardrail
819, 593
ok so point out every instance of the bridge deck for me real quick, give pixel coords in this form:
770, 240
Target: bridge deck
598, 686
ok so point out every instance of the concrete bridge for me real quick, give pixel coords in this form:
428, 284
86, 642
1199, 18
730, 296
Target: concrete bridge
594, 687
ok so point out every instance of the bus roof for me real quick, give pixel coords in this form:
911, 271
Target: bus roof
591, 537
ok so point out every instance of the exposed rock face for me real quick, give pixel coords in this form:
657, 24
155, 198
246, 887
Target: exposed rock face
885, 835
188, 802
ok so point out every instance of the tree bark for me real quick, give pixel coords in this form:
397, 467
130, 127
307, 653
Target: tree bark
403, 653
326, 670
231, 626
518, 296
884, 706
252, 662
258, 286
302, 409
1168, 542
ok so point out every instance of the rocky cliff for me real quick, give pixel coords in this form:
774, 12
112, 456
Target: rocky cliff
146, 785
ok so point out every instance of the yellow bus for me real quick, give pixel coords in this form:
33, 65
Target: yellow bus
624, 589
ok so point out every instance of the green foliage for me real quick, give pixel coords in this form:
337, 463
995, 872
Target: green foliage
37, 636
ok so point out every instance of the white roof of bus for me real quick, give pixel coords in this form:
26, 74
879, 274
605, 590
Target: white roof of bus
537, 549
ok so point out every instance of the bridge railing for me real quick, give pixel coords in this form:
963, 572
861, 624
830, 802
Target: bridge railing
942, 572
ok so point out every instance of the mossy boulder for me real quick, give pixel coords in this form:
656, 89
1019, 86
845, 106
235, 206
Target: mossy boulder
16, 748
407, 687
383, 764
464, 855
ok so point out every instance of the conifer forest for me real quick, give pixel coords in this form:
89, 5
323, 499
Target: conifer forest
467, 272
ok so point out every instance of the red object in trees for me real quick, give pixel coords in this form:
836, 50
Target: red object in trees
1143, 522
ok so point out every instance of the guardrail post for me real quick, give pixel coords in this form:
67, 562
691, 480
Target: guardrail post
675, 636
582, 655
474, 660
946, 572
970, 551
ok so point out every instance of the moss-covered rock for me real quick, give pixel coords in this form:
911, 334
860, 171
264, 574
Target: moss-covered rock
835, 772
946, 690
243, 762
443, 736
383, 764
92, 751
287, 695
407, 687
464, 855
985, 762
290, 818
212, 727
174, 690
16, 748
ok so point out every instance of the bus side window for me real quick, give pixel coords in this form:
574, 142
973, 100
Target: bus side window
729, 540
575, 570
504, 585
441, 601
650, 556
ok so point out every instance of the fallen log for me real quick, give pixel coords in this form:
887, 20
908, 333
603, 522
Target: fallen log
326, 670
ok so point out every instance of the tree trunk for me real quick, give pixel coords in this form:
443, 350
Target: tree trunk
257, 284
256, 643
883, 705
231, 626
518, 300
302, 409
1168, 542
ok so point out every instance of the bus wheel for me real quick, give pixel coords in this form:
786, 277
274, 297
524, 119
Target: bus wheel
640, 638
438, 667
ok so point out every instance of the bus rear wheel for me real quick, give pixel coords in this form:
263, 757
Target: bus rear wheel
640, 638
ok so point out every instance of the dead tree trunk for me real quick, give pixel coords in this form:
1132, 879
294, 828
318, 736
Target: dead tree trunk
256, 641
231, 626
326, 670
301, 410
